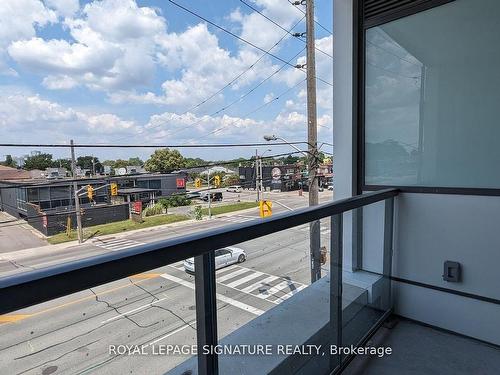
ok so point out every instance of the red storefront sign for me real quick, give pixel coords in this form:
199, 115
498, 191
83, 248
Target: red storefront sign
137, 207
181, 183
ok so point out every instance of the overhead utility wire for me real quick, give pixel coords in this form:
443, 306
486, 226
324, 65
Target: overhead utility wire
250, 67
189, 126
242, 39
316, 22
84, 145
256, 109
282, 28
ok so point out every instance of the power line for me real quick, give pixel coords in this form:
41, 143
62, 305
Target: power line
84, 145
316, 22
256, 109
250, 67
188, 127
282, 28
241, 39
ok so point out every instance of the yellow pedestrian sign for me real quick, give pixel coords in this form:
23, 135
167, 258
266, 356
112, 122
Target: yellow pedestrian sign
266, 208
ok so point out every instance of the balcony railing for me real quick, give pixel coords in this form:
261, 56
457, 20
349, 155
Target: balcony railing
29, 288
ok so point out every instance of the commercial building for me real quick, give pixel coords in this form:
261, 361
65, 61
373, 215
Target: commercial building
31, 199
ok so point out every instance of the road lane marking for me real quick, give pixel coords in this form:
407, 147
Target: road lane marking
13, 318
236, 272
125, 314
3, 318
220, 297
141, 276
172, 333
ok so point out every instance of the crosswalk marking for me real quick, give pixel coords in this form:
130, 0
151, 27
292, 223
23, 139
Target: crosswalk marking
271, 288
267, 293
236, 218
259, 284
245, 279
291, 293
116, 244
230, 275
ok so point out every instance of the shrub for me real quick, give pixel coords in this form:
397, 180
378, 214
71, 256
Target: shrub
157, 209
178, 200
164, 202
198, 213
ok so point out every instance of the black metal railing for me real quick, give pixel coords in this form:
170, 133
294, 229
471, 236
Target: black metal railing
29, 288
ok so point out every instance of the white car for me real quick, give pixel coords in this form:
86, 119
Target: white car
223, 258
234, 188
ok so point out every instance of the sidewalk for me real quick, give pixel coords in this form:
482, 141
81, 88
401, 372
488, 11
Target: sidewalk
45, 250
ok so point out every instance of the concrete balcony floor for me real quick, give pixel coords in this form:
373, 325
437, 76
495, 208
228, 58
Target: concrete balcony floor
418, 349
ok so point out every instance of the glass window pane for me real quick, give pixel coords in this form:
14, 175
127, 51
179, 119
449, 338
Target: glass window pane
431, 98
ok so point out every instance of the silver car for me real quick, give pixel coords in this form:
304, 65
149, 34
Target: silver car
223, 258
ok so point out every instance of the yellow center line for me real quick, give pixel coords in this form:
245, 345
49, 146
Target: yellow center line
142, 277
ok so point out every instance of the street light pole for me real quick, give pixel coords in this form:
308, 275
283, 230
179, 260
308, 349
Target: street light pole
77, 199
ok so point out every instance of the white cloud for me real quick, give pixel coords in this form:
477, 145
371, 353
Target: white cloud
113, 47
18, 20
65, 8
37, 117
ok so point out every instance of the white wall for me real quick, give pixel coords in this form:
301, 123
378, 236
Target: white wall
429, 229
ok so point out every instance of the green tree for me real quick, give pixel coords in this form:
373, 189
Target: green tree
165, 161
40, 161
86, 162
9, 162
62, 163
135, 161
194, 162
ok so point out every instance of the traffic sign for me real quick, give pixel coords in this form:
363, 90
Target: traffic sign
266, 208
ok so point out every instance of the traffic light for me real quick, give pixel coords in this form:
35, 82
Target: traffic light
90, 192
114, 189
197, 182
217, 181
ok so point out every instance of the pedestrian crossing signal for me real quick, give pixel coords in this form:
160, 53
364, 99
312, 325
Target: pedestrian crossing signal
114, 189
197, 182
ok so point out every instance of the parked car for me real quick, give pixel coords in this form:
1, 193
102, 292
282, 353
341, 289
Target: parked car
234, 188
223, 258
330, 187
215, 196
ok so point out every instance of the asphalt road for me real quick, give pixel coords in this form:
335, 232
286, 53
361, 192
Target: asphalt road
82, 333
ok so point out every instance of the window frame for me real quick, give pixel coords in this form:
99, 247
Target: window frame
360, 25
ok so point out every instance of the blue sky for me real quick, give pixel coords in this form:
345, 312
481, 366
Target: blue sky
134, 72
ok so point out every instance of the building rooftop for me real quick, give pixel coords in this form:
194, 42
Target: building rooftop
8, 173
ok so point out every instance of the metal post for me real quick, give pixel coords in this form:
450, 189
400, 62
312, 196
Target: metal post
336, 249
312, 139
388, 243
206, 312
209, 195
75, 191
261, 179
257, 175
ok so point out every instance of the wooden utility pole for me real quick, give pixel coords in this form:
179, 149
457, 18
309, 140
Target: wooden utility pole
75, 190
312, 139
